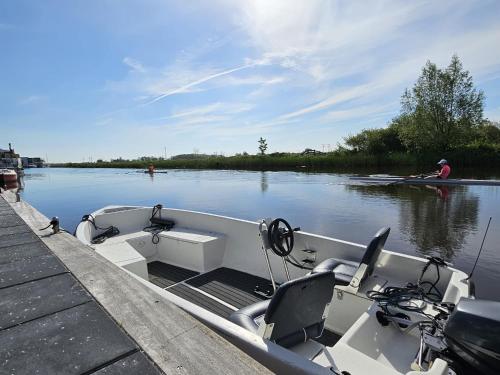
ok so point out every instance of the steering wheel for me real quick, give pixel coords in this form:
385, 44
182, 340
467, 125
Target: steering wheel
280, 237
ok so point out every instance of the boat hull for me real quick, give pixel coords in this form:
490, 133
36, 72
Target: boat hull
212, 266
424, 181
8, 176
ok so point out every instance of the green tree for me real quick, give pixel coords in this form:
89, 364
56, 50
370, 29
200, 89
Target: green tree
488, 133
375, 141
441, 110
262, 146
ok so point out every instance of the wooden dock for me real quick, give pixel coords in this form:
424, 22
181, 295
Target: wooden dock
66, 310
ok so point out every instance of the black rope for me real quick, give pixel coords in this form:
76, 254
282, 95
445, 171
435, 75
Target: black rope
110, 231
154, 230
158, 224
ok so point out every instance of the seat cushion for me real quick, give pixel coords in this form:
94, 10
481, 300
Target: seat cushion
344, 273
247, 317
344, 269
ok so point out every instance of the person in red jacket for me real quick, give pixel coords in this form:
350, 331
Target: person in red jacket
445, 170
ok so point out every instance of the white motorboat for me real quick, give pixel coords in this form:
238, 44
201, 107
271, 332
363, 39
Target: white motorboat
307, 303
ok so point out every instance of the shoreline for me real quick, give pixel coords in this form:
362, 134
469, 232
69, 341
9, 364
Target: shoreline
328, 162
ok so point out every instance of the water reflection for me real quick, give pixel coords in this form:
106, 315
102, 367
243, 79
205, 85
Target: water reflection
436, 219
20, 188
424, 220
263, 182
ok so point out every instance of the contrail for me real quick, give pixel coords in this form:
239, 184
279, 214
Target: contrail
195, 83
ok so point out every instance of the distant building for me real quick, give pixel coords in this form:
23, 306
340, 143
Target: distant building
9, 159
310, 151
32, 162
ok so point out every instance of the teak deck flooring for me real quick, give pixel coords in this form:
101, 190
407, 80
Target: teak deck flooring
233, 287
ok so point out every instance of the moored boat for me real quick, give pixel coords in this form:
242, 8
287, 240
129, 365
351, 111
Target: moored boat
8, 176
306, 303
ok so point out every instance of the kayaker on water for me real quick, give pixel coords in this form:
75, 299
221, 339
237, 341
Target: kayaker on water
444, 172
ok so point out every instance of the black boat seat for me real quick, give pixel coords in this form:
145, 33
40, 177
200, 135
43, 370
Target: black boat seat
345, 270
296, 312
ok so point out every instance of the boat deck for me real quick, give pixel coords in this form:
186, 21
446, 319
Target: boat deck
165, 275
221, 291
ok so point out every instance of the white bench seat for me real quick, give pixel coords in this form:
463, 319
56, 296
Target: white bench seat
192, 249
125, 255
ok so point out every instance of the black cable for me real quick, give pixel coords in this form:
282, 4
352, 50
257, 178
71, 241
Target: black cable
108, 232
296, 264
157, 227
433, 292
403, 298
414, 297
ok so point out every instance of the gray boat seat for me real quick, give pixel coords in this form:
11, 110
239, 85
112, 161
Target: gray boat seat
296, 312
345, 270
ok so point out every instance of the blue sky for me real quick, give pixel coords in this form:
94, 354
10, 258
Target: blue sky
113, 78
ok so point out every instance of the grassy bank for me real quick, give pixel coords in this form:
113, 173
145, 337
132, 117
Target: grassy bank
466, 157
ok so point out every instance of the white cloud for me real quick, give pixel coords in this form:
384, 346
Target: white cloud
253, 80
334, 60
360, 112
343, 96
134, 64
186, 87
218, 107
325, 38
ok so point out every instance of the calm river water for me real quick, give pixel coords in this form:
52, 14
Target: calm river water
448, 222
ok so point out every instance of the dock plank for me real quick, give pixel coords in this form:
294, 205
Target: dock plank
72, 341
10, 220
19, 238
38, 298
49, 323
24, 251
30, 269
23, 228
4, 210
132, 365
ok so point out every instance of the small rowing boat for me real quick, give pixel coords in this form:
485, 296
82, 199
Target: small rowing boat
423, 181
155, 172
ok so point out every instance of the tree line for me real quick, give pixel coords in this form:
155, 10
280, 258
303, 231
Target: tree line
443, 112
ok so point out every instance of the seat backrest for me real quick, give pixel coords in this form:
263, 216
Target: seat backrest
374, 249
298, 308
